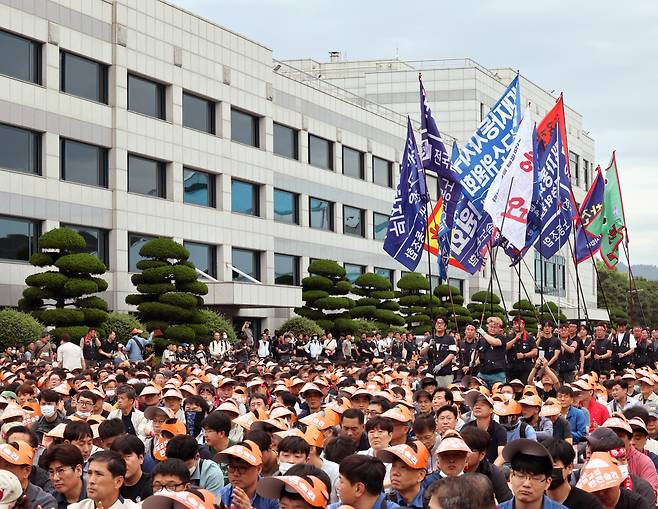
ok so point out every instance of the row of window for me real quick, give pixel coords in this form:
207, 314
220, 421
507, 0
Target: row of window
79, 76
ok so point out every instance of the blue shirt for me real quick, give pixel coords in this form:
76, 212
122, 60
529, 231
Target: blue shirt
258, 502
515, 433
576, 419
547, 503
381, 501
416, 503
134, 352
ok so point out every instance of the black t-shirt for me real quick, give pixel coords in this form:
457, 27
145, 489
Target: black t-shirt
466, 352
138, 491
498, 438
440, 348
108, 347
523, 345
493, 359
549, 346
128, 423
579, 499
630, 500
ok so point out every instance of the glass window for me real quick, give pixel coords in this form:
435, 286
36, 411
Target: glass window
83, 77
20, 57
432, 187
198, 187
320, 152
434, 281
286, 207
18, 238
20, 149
97, 241
146, 176
198, 113
286, 141
83, 163
387, 273
457, 283
321, 214
554, 276
574, 167
586, 172
135, 243
244, 128
248, 262
146, 96
379, 225
382, 172
353, 221
203, 256
352, 162
286, 270
354, 271
244, 197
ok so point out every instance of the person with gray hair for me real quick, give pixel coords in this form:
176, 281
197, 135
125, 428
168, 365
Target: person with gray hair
468, 491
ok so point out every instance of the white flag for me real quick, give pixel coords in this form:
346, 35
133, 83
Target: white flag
514, 180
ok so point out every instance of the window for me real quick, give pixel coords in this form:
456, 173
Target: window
135, 243
379, 225
286, 207
97, 241
83, 77
353, 221
382, 172
354, 271
18, 238
203, 256
433, 280
20, 149
321, 214
554, 276
146, 96
574, 167
587, 167
432, 187
286, 270
198, 113
457, 283
83, 163
20, 58
387, 273
286, 141
320, 152
146, 176
244, 198
248, 262
244, 128
198, 187
352, 162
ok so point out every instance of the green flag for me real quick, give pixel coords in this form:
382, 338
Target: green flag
610, 223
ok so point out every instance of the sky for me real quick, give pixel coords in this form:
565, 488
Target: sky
601, 54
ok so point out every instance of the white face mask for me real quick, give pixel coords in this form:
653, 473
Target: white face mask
508, 396
191, 470
624, 471
110, 392
47, 410
83, 415
284, 467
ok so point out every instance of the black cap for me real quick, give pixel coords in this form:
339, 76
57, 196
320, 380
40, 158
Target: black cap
525, 446
603, 440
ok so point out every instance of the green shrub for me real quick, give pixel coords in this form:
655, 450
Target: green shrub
328, 268
160, 309
363, 311
62, 238
343, 287
313, 295
373, 281
76, 332
80, 263
100, 283
317, 283
196, 287
391, 305
121, 324
334, 303
389, 317
216, 322
409, 300
300, 325
368, 301
62, 316
157, 288
150, 264
180, 333
91, 302
50, 279
18, 328
41, 260
484, 296
76, 287
180, 299
163, 248
382, 294
311, 314
413, 281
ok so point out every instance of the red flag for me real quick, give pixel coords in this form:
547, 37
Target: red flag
553, 118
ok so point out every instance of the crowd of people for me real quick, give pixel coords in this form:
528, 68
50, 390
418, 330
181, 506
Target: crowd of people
446, 420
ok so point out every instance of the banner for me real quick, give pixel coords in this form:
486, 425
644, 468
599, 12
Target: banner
556, 205
480, 159
433, 225
471, 233
587, 244
510, 195
434, 155
406, 226
547, 126
610, 223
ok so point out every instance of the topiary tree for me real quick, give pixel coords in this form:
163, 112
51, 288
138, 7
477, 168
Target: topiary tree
324, 295
527, 310
453, 301
416, 304
300, 325
18, 328
617, 314
487, 304
216, 322
377, 304
549, 311
121, 324
169, 292
64, 297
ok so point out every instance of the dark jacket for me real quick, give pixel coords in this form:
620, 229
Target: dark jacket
497, 478
42, 426
39, 477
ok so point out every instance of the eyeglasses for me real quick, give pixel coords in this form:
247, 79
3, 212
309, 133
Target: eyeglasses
372, 413
529, 477
157, 486
58, 472
239, 468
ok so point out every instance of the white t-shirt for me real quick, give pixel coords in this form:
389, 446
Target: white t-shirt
69, 356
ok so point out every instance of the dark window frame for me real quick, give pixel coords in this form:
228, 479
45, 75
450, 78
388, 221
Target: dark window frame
374, 224
36, 47
257, 264
103, 243
37, 149
162, 175
212, 256
211, 104
162, 99
103, 169
212, 188
330, 155
103, 92
149, 237
295, 197
34, 232
295, 134
362, 221
362, 166
295, 273
391, 272
255, 196
332, 226
361, 267
389, 165
256, 119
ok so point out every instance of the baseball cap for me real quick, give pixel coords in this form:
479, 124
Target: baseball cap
414, 459
179, 500
452, 441
137, 331
531, 401
247, 451
397, 414
618, 422
525, 446
581, 385
604, 439
17, 453
309, 387
508, 407
599, 473
173, 393
150, 390
318, 420
175, 428
11, 489
158, 411
551, 407
310, 488
473, 396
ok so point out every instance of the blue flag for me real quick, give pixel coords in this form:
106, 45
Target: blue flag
451, 193
471, 233
407, 224
481, 158
556, 206
586, 243
434, 155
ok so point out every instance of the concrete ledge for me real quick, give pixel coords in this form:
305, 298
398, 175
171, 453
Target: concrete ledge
253, 295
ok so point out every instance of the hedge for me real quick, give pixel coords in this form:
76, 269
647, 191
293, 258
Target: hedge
91, 302
363, 311
214, 321
180, 299
373, 281
41, 260
343, 287
163, 248
317, 283
196, 287
122, 324
313, 295
80, 263
62, 316
62, 238
300, 325
76, 287
413, 281
483, 296
327, 268
50, 279
334, 303
18, 328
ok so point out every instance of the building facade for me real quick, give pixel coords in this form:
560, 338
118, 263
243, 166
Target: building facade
128, 120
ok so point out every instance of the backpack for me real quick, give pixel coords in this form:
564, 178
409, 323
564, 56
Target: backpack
522, 431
